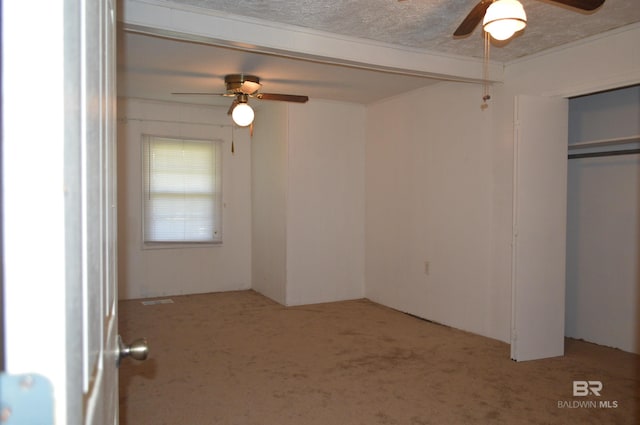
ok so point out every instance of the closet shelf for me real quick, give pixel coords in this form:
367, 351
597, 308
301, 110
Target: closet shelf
606, 142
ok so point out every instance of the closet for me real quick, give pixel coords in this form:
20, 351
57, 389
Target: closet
603, 219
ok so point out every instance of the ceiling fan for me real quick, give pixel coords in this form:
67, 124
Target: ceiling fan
242, 87
479, 12
501, 19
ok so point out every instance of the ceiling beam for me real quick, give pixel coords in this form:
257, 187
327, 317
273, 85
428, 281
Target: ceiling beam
167, 19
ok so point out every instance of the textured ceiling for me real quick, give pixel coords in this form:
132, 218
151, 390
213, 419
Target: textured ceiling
429, 24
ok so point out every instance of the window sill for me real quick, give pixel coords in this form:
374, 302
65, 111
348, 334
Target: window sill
178, 245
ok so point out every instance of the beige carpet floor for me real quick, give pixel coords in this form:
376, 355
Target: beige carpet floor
238, 358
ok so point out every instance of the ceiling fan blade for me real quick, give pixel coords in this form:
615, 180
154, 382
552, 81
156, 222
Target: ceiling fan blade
473, 19
201, 94
283, 97
581, 4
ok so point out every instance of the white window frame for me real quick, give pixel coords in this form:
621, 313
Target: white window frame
159, 244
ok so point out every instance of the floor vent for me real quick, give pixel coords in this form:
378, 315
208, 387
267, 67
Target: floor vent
155, 302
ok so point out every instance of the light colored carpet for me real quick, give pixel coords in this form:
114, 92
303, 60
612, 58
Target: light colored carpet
238, 358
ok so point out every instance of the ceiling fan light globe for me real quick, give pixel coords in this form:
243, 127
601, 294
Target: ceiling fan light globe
504, 29
243, 114
504, 18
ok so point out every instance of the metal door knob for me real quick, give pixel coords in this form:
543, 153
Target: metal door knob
138, 349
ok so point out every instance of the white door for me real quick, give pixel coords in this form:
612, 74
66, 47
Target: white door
59, 202
539, 232
98, 198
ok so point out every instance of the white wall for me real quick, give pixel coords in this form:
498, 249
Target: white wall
159, 272
439, 183
430, 188
603, 224
599, 63
325, 202
308, 201
269, 174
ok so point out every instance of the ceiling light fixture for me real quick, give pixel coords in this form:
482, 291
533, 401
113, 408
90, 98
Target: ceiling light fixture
504, 18
242, 114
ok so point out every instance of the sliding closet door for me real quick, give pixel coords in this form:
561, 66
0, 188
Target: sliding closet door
539, 231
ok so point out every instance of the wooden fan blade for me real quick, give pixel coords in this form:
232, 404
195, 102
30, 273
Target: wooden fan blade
283, 97
473, 19
202, 94
588, 5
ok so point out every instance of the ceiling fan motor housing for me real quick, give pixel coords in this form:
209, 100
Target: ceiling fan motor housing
240, 83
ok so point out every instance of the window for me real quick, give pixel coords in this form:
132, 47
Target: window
182, 190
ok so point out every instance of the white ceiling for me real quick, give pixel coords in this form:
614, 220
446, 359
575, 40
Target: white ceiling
154, 67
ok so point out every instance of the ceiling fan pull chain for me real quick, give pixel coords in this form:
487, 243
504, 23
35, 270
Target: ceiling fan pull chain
485, 72
233, 148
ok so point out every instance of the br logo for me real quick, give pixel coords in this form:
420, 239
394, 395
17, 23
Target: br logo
584, 388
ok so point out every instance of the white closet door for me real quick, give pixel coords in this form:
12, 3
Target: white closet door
539, 228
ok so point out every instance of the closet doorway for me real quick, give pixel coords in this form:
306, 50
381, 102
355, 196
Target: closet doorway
603, 219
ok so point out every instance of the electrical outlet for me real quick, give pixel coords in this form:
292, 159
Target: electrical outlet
426, 267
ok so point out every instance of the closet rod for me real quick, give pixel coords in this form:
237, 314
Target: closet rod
604, 153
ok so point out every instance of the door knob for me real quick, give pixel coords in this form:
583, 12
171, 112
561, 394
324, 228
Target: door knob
138, 349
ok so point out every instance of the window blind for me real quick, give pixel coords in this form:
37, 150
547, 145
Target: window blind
182, 190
